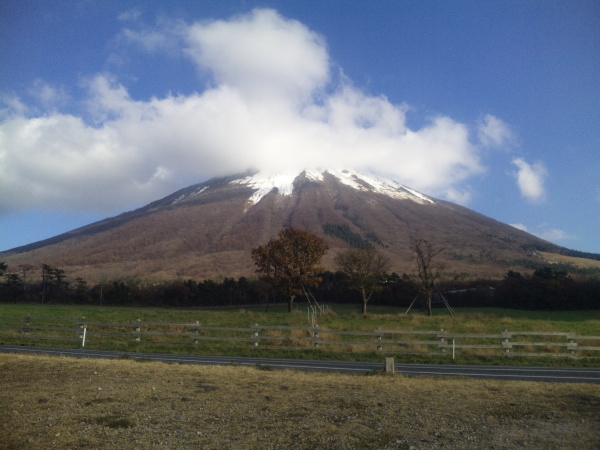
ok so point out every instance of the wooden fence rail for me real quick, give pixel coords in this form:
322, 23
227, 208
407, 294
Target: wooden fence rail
194, 334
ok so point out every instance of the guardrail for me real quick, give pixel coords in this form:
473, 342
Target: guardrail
196, 335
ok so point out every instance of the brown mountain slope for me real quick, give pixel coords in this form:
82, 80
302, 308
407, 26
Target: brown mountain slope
207, 230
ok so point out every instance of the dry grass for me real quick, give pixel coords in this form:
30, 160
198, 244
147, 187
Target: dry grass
289, 338
52, 402
555, 258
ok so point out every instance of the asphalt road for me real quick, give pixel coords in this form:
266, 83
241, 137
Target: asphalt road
523, 373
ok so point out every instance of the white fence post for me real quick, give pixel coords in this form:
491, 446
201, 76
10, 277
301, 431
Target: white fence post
83, 337
82, 330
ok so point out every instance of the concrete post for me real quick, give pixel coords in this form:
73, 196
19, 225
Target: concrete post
389, 365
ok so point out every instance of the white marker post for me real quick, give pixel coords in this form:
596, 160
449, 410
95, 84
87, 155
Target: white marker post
83, 338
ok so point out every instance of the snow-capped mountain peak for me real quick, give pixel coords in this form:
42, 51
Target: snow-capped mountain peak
284, 183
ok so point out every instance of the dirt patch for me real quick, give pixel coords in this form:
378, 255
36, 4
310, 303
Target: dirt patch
55, 402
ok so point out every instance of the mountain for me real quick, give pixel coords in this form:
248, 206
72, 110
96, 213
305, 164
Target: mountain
207, 230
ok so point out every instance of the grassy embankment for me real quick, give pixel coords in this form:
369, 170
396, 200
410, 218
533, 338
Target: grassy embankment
340, 317
57, 403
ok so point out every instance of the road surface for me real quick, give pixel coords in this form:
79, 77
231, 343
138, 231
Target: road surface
522, 373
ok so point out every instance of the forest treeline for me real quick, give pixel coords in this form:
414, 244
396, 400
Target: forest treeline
548, 288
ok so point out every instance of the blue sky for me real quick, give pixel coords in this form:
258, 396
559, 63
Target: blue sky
108, 105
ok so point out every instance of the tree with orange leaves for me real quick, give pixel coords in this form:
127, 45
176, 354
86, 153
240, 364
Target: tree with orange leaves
291, 262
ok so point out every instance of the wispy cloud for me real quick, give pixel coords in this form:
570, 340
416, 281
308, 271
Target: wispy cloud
546, 232
494, 132
272, 104
554, 235
530, 179
520, 226
50, 97
11, 105
129, 15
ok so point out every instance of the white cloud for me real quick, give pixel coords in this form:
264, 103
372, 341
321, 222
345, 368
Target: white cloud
493, 132
11, 105
166, 38
519, 226
543, 231
530, 178
272, 105
129, 15
262, 54
49, 96
554, 235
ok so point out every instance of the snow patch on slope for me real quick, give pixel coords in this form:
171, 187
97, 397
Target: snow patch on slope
264, 184
284, 184
196, 192
382, 186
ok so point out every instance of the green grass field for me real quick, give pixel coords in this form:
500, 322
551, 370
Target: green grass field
337, 318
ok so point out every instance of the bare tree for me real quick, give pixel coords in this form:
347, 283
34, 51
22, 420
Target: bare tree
365, 268
429, 269
26, 268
